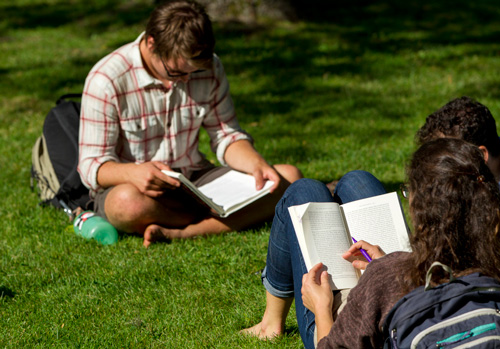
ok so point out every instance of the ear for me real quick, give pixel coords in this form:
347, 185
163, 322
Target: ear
486, 155
150, 43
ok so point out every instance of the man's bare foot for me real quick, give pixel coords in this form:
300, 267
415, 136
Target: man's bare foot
262, 333
156, 232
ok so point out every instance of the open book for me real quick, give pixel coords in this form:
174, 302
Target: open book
325, 230
227, 193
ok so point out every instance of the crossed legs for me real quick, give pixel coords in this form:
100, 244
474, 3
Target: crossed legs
179, 216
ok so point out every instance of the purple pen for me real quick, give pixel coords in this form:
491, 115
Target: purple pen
367, 256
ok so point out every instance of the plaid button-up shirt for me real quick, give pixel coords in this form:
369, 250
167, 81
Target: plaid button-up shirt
129, 116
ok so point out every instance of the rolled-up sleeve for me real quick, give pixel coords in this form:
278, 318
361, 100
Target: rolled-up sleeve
99, 128
221, 122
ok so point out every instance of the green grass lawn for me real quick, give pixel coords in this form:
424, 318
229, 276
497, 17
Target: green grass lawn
346, 87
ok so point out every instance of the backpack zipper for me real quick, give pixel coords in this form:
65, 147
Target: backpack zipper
452, 321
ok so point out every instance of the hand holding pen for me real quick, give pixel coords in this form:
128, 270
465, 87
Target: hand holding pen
369, 251
363, 252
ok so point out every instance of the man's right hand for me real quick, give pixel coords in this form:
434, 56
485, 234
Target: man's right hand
146, 177
149, 179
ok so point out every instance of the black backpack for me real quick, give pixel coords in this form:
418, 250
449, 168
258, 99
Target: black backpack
463, 313
55, 158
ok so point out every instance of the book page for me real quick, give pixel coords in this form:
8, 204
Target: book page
194, 190
227, 193
378, 220
233, 188
322, 238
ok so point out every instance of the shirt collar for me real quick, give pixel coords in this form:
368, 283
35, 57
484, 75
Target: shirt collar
143, 77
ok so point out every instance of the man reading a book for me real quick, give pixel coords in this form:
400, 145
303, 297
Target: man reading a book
142, 109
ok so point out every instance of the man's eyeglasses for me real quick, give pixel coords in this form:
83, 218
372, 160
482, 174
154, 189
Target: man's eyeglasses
177, 74
405, 190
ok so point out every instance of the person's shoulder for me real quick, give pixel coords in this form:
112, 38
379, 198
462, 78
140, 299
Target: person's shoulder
394, 256
389, 259
117, 63
389, 264
218, 68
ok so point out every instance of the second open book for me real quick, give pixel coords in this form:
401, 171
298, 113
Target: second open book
325, 230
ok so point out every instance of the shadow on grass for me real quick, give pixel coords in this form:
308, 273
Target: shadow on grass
6, 292
294, 68
283, 62
98, 16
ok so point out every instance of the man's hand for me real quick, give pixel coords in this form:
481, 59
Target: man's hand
353, 252
149, 179
146, 177
242, 156
263, 173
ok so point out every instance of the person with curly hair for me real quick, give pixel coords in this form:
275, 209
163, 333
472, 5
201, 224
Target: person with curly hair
462, 118
466, 119
454, 204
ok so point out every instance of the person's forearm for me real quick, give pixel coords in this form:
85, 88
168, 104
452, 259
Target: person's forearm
113, 173
242, 156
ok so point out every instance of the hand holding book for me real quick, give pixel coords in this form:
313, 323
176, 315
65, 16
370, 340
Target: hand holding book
324, 231
226, 194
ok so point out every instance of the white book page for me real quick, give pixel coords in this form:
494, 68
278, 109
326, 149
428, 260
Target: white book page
378, 220
233, 188
195, 190
322, 238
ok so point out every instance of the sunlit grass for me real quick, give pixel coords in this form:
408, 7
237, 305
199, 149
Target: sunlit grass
344, 90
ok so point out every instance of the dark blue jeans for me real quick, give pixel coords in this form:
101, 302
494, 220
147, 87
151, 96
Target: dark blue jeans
282, 276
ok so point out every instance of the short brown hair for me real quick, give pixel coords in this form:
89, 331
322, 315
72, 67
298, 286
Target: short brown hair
182, 29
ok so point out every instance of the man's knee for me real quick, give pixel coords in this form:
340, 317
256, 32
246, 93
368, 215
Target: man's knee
289, 172
125, 207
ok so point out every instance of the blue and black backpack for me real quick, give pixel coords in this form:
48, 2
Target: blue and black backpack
463, 313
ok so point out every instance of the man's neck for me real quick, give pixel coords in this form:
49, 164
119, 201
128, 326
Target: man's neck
147, 57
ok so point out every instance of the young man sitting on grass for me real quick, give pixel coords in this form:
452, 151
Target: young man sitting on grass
142, 109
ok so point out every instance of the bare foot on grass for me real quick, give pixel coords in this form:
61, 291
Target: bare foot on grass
154, 233
262, 332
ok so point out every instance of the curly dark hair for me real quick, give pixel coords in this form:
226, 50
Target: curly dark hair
455, 208
462, 118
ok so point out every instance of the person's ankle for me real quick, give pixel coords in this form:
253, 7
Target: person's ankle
270, 328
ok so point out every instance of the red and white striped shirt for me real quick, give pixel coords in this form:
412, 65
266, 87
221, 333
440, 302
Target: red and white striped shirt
129, 116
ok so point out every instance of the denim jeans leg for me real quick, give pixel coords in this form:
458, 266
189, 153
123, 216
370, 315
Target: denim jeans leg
282, 276
356, 185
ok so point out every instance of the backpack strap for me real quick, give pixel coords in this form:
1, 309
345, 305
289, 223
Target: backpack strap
68, 96
428, 276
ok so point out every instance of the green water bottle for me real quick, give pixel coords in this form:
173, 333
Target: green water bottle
91, 226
